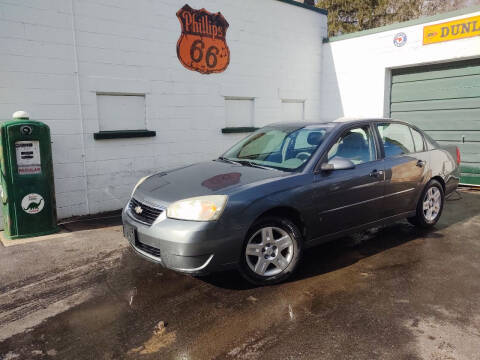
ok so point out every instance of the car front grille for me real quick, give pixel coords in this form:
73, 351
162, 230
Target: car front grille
143, 213
148, 249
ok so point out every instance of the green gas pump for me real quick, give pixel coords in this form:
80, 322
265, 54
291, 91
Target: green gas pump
27, 185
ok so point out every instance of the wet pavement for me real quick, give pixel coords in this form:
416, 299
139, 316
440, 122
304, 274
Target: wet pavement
393, 293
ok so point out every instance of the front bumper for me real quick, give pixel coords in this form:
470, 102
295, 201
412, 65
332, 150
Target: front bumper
186, 246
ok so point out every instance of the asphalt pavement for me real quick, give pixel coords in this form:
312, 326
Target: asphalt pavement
391, 293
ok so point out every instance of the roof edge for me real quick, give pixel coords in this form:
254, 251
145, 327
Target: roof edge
421, 20
308, 7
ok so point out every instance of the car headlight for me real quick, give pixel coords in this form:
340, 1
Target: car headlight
201, 208
138, 184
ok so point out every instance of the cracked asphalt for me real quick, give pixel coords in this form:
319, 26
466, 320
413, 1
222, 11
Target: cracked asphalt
391, 293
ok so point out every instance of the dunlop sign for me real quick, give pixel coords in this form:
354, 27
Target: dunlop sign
451, 30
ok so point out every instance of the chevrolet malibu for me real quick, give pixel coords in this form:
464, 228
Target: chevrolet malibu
286, 188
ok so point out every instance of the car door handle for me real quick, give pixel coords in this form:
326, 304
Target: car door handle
420, 163
376, 173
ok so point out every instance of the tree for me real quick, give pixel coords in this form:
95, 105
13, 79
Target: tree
346, 16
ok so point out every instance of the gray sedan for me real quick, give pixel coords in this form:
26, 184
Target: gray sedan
285, 188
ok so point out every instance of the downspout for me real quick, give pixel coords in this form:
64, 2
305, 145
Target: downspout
79, 101
322, 68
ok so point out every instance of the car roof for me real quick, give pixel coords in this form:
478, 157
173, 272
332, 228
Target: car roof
298, 124
356, 119
338, 121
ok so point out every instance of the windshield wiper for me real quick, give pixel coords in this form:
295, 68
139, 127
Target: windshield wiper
222, 158
245, 163
252, 164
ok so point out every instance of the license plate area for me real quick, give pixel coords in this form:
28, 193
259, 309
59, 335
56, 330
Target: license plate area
130, 233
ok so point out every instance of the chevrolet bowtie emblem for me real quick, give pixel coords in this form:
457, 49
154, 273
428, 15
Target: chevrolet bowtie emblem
138, 210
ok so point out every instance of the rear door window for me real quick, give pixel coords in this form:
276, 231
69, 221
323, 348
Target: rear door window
418, 140
397, 139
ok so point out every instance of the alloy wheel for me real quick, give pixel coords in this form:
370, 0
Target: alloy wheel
269, 251
432, 203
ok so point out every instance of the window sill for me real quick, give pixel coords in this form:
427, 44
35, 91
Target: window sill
123, 134
238, 130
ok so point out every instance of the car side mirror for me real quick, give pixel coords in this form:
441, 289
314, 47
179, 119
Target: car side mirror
337, 163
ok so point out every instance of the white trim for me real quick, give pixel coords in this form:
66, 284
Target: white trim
80, 110
388, 93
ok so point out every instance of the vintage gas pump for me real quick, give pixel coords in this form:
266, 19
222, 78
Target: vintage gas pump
27, 187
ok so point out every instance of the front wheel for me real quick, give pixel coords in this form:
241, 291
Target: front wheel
430, 206
271, 251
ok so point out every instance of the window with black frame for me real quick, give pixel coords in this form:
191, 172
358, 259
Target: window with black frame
397, 139
356, 144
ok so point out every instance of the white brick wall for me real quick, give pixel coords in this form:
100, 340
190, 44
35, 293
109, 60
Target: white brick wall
37, 75
130, 47
356, 77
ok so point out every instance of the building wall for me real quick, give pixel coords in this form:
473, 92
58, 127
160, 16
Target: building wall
56, 56
357, 70
37, 74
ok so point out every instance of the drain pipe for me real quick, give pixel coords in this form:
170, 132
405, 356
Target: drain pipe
79, 100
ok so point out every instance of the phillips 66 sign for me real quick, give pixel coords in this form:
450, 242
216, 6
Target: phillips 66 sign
202, 46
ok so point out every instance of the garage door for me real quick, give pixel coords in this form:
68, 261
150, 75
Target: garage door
443, 100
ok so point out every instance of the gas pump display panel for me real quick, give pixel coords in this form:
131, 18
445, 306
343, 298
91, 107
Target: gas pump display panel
28, 157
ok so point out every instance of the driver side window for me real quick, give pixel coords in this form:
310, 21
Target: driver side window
356, 144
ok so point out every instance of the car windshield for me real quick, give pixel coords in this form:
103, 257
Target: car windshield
283, 148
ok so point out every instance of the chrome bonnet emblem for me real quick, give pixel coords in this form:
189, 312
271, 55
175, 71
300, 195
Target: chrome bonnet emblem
138, 210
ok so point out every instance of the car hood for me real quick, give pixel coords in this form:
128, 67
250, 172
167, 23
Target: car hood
206, 178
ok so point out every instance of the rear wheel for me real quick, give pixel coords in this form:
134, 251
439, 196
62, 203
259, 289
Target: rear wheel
271, 251
430, 205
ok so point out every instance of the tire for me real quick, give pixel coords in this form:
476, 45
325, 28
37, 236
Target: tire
271, 261
430, 206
